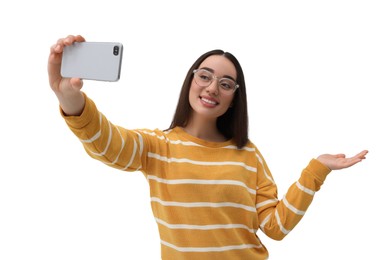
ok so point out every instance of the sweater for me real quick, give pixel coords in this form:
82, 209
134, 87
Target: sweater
209, 199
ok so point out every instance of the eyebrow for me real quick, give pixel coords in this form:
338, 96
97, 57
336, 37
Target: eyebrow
213, 71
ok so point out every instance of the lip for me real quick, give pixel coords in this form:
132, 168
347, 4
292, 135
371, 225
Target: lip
204, 100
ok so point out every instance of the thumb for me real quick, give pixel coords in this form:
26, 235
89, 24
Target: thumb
76, 83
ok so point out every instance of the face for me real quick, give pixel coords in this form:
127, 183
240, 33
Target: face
210, 102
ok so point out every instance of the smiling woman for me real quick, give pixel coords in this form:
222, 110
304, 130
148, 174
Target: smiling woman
210, 187
211, 97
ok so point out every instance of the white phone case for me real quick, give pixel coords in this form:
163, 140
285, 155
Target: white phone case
92, 60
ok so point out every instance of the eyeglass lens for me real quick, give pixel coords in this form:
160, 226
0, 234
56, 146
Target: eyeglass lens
204, 78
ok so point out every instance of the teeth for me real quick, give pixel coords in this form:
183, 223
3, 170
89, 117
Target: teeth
209, 101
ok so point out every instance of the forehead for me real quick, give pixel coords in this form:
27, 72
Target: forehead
220, 65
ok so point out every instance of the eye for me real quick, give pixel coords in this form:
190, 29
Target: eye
204, 76
227, 84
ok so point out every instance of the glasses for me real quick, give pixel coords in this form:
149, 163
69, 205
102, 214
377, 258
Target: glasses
204, 78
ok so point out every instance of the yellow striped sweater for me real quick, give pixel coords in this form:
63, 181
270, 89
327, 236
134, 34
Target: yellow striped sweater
208, 198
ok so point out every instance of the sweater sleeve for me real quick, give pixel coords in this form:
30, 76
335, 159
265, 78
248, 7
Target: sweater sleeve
278, 217
113, 145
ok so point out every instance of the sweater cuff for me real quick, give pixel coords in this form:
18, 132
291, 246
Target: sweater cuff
314, 175
318, 169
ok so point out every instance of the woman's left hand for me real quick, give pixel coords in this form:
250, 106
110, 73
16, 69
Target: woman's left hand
339, 161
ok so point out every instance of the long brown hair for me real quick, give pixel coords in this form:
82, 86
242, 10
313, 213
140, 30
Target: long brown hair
234, 123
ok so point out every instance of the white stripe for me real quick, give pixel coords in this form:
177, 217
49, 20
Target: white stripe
246, 148
141, 143
167, 140
264, 171
132, 156
209, 249
205, 227
183, 143
267, 218
167, 131
266, 202
185, 160
122, 146
304, 189
141, 149
207, 182
285, 231
97, 135
108, 142
94, 138
202, 204
292, 208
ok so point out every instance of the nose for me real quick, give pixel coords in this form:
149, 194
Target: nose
213, 88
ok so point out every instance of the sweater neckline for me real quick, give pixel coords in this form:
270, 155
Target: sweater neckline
180, 131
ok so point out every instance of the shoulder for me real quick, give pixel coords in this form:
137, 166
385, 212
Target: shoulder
250, 147
254, 151
158, 136
151, 133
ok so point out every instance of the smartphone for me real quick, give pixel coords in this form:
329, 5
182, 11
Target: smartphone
92, 60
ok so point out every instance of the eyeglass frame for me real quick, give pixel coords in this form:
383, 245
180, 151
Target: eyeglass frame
236, 86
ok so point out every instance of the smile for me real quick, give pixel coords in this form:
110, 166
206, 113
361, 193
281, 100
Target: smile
208, 101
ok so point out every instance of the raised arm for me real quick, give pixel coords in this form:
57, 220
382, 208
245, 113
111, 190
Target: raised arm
278, 217
68, 91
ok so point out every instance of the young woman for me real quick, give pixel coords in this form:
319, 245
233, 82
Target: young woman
210, 187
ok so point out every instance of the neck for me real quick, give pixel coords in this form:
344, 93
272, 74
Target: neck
204, 129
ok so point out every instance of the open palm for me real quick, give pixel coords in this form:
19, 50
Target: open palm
340, 161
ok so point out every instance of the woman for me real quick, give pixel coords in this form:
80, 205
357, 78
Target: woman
210, 187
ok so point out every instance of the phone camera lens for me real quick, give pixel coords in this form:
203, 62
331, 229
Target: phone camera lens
116, 50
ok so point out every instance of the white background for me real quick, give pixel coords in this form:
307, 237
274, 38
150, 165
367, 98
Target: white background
317, 74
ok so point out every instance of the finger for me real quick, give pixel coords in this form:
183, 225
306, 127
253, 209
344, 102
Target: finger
70, 39
59, 46
348, 163
53, 47
354, 160
60, 41
76, 83
361, 155
79, 38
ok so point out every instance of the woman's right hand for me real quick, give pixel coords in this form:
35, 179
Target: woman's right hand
67, 90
